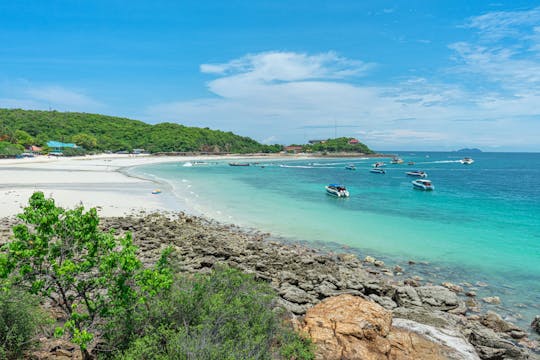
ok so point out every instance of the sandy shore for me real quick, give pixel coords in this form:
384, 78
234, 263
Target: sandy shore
94, 181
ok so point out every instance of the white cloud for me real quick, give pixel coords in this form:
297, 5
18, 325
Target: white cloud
26, 95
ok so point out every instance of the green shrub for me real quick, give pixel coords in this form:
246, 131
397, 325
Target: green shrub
223, 315
20, 319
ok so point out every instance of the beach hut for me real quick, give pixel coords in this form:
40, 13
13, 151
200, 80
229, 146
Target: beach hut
57, 147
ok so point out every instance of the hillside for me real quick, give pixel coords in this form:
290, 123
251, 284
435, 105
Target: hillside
100, 132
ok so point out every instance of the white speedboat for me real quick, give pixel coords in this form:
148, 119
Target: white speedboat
379, 164
423, 184
466, 161
377, 171
350, 167
417, 173
337, 190
397, 160
187, 164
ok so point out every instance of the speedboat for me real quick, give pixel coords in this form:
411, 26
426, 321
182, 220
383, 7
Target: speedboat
466, 161
423, 184
238, 164
396, 160
156, 191
350, 167
410, 163
187, 164
378, 164
337, 190
377, 170
417, 173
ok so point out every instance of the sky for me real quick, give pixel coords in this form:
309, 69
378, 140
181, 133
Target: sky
397, 75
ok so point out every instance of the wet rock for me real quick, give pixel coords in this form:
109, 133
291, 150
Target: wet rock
369, 259
411, 282
494, 300
494, 321
378, 263
535, 324
398, 269
470, 293
490, 345
453, 287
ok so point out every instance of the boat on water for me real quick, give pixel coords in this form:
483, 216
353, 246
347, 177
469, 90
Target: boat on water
200, 163
238, 164
379, 164
377, 170
417, 173
350, 167
156, 191
187, 164
410, 163
466, 161
337, 190
396, 160
423, 184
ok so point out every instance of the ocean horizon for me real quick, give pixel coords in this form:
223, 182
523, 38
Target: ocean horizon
479, 228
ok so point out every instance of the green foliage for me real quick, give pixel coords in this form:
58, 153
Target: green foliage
88, 142
223, 315
338, 145
91, 274
23, 138
9, 149
20, 319
113, 133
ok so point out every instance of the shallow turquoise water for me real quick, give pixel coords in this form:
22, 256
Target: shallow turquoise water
482, 222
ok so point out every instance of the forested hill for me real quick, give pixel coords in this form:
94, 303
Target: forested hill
100, 132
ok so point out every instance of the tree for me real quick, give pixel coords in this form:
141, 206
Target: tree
87, 141
23, 138
91, 274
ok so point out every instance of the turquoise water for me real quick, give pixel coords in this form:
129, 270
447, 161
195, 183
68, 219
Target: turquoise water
482, 222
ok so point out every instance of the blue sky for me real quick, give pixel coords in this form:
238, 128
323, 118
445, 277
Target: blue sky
418, 75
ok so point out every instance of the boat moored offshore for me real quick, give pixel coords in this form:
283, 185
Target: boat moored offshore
337, 190
417, 173
423, 184
377, 170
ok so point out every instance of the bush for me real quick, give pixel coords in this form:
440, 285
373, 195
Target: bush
224, 315
20, 319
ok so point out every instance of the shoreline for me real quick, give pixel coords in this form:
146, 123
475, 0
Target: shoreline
91, 173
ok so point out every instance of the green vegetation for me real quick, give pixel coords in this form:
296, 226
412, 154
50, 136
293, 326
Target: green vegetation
9, 149
341, 144
116, 308
20, 320
100, 133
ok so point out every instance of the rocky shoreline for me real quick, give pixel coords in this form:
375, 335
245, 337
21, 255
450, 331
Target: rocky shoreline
304, 277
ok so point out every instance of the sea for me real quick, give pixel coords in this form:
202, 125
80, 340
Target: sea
480, 227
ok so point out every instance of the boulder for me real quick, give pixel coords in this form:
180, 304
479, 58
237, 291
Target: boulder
350, 327
494, 300
438, 297
295, 295
406, 296
494, 321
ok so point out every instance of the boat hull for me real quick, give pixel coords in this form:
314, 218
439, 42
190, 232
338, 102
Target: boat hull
336, 193
423, 186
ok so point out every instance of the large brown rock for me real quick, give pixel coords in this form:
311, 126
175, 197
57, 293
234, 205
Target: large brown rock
350, 327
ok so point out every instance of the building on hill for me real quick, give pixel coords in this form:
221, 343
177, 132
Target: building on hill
57, 147
34, 149
353, 141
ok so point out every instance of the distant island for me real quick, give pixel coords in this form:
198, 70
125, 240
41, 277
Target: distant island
471, 150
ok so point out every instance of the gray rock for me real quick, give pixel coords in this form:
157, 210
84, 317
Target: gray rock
295, 295
326, 289
438, 297
492, 346
495, 300
407, 296
384, 301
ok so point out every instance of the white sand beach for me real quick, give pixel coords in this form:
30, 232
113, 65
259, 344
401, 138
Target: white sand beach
94, 181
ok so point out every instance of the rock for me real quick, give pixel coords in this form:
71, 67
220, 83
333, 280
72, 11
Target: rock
495, 300
295, 295
411, 282
438, 297
470, 293
494, 321
349, 327
398, 269
535, 324
406, 296
378, 263
489, 345
453, 287
369, 259
384, 301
